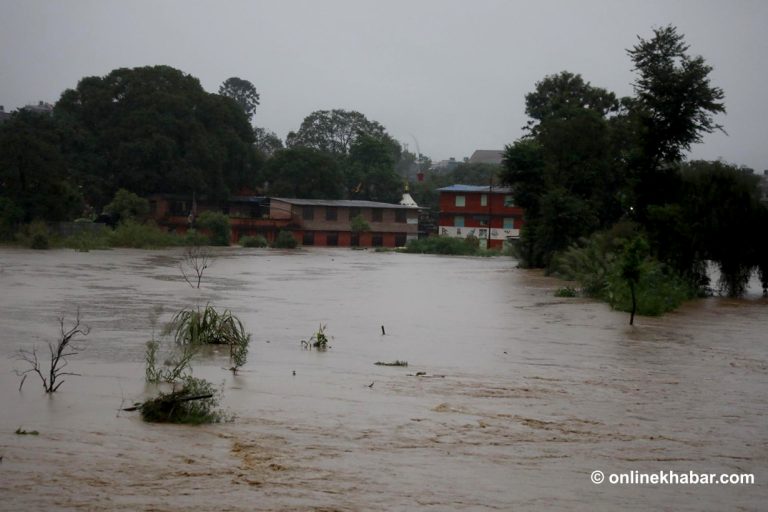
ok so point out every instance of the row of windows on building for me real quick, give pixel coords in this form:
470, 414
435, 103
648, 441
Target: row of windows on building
461, 201
332, 213
459, 220
332, 239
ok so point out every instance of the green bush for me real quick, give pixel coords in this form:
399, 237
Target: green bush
185, 405
88, 241
141, 236
194, 238
217, 224
38, 236
566, 291
597, 264
253, 241
447, 245
285, 240
127, 206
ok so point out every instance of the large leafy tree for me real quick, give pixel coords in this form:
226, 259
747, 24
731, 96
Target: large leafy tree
304, 173
35, 181
370, 169
267, 142
154, 129
243, 92
674, 99
566, 173
333, 131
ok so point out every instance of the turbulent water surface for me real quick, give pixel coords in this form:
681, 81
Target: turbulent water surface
524, 395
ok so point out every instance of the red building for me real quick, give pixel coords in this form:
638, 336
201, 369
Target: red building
487, 213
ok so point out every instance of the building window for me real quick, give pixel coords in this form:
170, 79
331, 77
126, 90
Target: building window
307, 213
354, 212
332, 239
331, 213
461, 201
401, 216
400, 239
509, 201
308, 238
377, 214
458, 221
509, 223
377, 240
484, 200
481, 219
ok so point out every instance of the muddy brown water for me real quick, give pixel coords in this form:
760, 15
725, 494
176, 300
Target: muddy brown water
526, 393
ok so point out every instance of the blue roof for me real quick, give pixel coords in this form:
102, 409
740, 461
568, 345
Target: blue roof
475, 188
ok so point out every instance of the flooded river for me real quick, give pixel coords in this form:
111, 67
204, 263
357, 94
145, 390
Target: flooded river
525, 394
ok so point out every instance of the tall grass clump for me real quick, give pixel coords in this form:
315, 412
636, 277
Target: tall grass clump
207, 326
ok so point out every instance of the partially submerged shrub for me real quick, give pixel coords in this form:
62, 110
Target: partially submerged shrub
217, 225
253, 241
393, 363
285, 240
141, 236
196, 327
195, 403
319, 339
566, 291
448, 246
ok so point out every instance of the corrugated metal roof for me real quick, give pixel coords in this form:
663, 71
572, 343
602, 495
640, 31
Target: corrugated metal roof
487, 156
348, 203
476, 188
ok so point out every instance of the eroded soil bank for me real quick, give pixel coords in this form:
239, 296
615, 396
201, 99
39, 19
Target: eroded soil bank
528, 393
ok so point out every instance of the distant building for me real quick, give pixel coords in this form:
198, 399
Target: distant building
487, 213
42, 107
487, 156
444, 166
318, 222
324, 222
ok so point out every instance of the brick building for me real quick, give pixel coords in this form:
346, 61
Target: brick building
487, 213
316, 222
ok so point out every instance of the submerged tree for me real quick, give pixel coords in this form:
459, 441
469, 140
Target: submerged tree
52, 377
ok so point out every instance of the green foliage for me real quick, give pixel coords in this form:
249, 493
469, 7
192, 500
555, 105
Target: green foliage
253, 241
333, 131
285, 240
196, 327
243, 93
267, 142
306, 173
154, 130
127, 206
358, 224
185, 405
11, 217
141, 236
319, 340
39, 237
566, 292
607, 262
370, 169
448, 246
217, 224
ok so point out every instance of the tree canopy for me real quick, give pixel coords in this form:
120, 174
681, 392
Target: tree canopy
243, 92
333, 131
154, 129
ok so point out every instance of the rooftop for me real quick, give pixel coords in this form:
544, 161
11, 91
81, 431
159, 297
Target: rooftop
487, 156
476, 188
342, 203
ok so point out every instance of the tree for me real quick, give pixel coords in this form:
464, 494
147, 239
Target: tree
567, 172
267, 142
35, 181
333, 131
243, 92
370, 169
306, 173
154, 129
127, 206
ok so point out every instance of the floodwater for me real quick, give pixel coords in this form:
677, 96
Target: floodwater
524, 396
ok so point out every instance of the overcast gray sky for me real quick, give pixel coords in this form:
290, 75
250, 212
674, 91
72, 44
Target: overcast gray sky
452, 73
